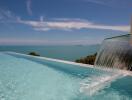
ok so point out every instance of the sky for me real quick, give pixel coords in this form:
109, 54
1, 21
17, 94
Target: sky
62, 22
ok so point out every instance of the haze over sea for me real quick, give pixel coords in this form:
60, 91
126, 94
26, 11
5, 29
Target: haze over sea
68, 52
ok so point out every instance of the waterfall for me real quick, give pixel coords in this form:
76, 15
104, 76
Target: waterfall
115, 53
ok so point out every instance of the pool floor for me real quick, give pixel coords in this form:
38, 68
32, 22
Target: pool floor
24, 79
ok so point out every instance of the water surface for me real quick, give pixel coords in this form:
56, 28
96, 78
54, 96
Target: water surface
70, 53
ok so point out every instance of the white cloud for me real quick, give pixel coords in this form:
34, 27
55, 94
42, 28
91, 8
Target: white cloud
112, 3
67, 24
21, 41
41, 18
72, 24
29, 7
102, 2
6, 15
28, 41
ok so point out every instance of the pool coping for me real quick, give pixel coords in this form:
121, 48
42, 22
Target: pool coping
52, 59
70, 62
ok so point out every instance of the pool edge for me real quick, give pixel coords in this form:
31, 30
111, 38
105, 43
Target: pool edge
69, 62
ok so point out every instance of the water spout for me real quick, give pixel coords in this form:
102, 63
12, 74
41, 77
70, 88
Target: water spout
115, 53
131, 31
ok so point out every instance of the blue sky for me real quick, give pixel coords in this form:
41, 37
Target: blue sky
62, 22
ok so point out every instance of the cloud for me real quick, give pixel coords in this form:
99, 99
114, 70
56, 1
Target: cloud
71, 24
41, 18
28, 41
7, 16
102, 2
21, 41
29, 7
67, 24
112, 3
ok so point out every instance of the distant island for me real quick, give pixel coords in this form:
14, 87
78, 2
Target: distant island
87, 60
33, 54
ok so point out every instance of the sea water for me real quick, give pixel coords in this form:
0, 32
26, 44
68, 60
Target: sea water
70, 53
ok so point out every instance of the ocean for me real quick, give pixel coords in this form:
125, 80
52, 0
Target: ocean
70, 53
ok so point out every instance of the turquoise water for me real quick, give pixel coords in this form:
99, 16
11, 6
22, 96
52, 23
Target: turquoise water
70, 53
31, 78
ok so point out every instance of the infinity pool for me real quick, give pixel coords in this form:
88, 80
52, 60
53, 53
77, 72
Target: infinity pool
36, 78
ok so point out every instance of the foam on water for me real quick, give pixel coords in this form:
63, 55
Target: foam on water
92, 85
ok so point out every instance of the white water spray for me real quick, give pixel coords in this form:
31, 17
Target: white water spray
92, 85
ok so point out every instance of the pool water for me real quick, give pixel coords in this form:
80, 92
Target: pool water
31, 78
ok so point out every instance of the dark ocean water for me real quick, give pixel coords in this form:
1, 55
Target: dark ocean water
70, 53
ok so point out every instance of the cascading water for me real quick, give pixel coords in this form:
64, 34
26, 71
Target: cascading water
115, 53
